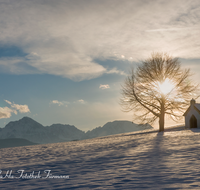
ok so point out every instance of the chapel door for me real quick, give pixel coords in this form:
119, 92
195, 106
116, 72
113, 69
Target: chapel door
193, 122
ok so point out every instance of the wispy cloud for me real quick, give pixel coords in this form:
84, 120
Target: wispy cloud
171, 29
17, 107
104, 86
21, 108
8, 102
6, 112
59, 103
66, 103
65, 41
81, 101
116, 71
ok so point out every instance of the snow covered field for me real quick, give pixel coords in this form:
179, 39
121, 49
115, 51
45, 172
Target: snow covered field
169, 160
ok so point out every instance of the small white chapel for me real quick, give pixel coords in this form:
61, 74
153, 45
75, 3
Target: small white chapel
192, 115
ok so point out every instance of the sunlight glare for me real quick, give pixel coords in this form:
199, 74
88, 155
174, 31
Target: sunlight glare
166, 86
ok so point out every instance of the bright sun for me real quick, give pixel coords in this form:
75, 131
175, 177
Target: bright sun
166, 86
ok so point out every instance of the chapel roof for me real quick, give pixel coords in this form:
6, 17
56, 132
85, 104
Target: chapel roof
196, 107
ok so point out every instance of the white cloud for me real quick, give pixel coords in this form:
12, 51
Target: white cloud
65, 103
81, 101
59, 103
104, 86
65, 40
20, 108
6, 112
56, 102
115, 70
33, 56
8, 102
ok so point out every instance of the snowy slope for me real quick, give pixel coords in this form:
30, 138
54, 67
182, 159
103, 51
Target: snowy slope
168, 160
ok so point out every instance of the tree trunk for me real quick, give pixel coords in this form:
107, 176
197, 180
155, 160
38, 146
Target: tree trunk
162, 118
161, 122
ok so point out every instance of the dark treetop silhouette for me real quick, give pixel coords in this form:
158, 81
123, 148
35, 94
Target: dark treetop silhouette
158, 87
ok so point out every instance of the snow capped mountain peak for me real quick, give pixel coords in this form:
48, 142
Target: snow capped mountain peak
24, 123
26, 118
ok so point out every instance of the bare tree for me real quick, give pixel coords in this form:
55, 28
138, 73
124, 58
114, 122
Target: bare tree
158, 87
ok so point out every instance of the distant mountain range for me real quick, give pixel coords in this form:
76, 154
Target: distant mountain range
33, 131
29, 129
116, 127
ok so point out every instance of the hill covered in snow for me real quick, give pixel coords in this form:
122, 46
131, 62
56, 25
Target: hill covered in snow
136, 160
33, 131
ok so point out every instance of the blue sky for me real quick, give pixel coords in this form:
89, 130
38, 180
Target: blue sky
64, 61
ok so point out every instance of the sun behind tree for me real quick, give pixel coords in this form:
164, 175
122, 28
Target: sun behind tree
166, 87
158, 87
